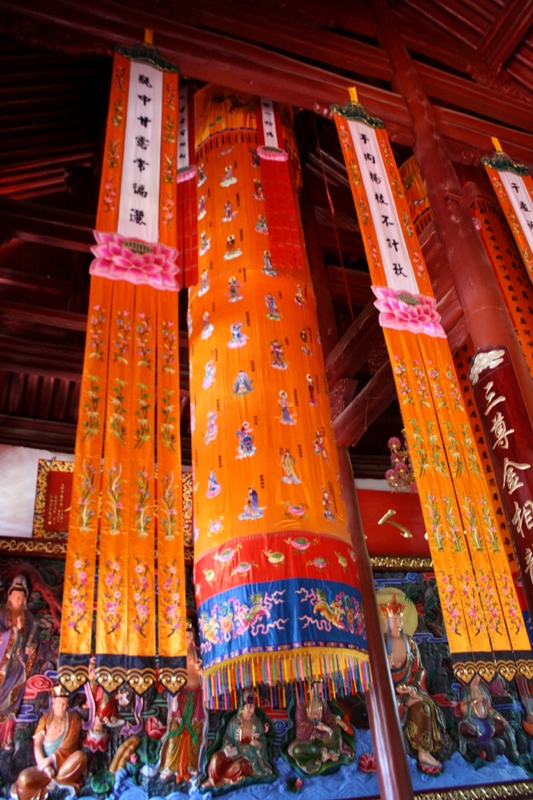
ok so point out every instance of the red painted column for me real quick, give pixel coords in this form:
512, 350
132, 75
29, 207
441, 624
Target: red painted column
393, 773
484, 308
394, 777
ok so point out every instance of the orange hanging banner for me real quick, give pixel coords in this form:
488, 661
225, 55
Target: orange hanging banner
476, 584
130, 336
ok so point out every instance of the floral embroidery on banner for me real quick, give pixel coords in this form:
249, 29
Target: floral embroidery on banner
436, 450
403, 311
473, 524
113, 154
118, 113
141, 596
471, 452
449, 600
143, 518
79, 593
421, 384
170, 597
96, 341
168, 211
438, 391
417, 446
135, 261
143, 431
490, 527
142, 341
120, 76
453, 527
490, 605
117, 424
401, 372
454, 389
168, 354
110, 194
167, 508
92, 422
86, 496
470, 604
436, 528
114, 503
112, 594
121, 347
455, 458
167, 428
512, 611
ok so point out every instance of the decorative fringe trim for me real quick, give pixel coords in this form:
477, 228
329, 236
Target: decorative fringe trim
338, 672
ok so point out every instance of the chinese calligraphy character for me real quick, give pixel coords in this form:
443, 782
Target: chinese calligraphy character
369, 157
523, 516
141, 163
363, 137
380, 199
499, 429
142, 142
145, 81
375, 178
136, 216
491, 398
392, 243
510, 478
144, 121
144, 99
515, 187
398, 269
523, 207
385, 221
140, 190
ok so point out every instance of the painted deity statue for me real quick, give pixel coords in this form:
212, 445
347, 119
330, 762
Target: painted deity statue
18, 648
181, 746
481, 727
243, 754
421, 718
59, 761
103, 714
318, 742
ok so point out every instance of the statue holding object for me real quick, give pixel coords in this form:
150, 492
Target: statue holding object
59, 762
181, 746
243, 757
421, 718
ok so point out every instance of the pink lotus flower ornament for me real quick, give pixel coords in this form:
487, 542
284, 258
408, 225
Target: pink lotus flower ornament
404, 311
132, 260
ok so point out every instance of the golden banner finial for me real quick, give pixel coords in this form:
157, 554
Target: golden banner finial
496, 143
148, 36
353, 94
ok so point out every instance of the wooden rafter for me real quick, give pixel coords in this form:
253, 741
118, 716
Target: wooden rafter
505, 34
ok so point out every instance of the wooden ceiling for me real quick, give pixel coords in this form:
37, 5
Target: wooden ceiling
475, 60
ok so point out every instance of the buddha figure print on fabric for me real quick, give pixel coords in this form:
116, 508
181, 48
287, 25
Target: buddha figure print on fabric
275, 574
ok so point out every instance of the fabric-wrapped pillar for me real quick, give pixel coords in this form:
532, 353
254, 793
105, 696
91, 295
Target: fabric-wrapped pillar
275, 574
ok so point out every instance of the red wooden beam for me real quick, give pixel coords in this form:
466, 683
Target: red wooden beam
505, 34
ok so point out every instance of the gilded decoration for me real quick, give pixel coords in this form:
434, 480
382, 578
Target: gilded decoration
44, 469
503, 163
355, 111
401, 562
519, 789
